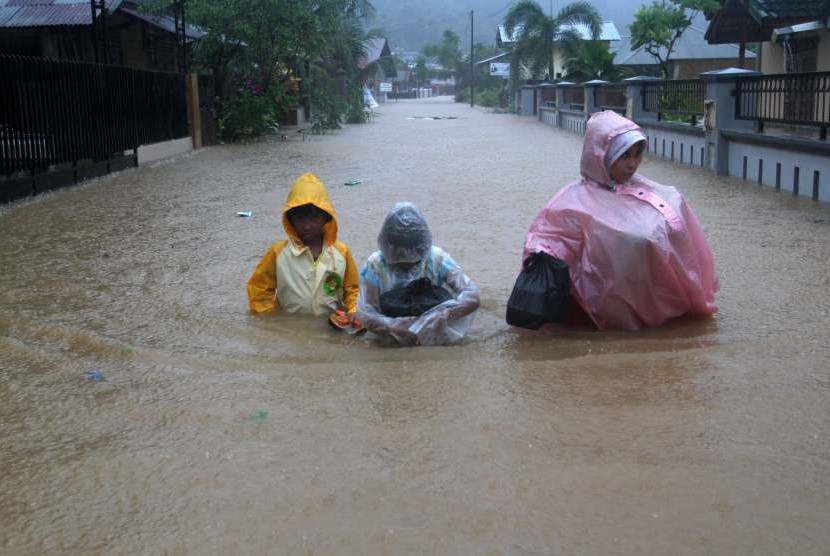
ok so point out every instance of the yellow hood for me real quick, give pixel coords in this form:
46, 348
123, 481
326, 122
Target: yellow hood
309, 189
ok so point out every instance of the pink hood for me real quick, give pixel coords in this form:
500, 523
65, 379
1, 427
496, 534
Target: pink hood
637, 254
601, 129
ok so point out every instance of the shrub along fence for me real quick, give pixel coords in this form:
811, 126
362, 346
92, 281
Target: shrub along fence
62, 122
768, 129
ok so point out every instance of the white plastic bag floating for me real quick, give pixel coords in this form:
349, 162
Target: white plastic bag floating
368, 99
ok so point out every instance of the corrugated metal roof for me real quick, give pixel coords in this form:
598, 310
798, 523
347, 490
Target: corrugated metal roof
47, 13
165, 22
608, 31
788, 9
690, 46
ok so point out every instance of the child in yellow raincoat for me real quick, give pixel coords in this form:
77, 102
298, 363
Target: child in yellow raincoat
311, 272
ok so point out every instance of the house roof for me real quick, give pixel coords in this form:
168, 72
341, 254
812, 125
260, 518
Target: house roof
754, 20
373, 49
690, 46
608, 32
165, 22
799, 28
787, 9
56, 13
501, 56
48, 13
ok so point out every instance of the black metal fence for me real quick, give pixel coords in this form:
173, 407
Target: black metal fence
802, 99
680, 99
59, 115
610, 97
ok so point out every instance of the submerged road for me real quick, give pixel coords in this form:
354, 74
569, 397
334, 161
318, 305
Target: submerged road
213, 431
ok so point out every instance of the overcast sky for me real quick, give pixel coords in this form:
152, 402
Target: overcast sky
413, 23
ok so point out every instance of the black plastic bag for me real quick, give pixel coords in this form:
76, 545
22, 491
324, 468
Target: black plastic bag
414, 299
541, 292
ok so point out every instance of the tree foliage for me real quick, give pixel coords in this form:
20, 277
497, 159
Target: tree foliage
447, 53
591, 60
535, 34
657, 28
284, 50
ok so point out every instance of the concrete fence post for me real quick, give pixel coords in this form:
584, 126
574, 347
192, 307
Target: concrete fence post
528, 97
719, 115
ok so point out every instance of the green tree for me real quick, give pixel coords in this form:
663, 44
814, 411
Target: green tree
483, 79
421, 70
447, 53
266, 48
592, 60
656, 28
536, 33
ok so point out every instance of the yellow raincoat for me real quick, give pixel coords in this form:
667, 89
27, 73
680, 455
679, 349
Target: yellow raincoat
288, 277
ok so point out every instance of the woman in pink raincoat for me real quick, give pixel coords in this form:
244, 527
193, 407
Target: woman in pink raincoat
636, 253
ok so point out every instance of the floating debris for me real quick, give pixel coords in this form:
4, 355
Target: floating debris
432, 118
259, 416
245, 213
352, 182
94, 376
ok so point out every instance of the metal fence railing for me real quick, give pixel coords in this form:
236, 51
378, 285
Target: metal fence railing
802, 99
610, 97
574, 97
55, 113
547, 96
680, 99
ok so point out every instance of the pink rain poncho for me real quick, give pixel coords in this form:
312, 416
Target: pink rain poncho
636, 252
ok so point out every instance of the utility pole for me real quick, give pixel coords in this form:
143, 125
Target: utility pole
472, 64
181, 35
99, 30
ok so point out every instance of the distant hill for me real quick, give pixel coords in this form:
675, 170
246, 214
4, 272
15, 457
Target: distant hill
411, 24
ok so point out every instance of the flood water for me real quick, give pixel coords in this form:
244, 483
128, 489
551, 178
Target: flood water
217, 432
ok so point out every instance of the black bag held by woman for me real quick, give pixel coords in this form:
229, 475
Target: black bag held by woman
541, 292
414, 299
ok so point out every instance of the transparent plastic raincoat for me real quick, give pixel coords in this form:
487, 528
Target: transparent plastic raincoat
636, 252
406, 254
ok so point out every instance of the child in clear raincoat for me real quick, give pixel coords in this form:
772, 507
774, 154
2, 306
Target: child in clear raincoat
406, 256
636, 254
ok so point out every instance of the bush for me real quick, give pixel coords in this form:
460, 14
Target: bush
488, 98
356, 111
251, 112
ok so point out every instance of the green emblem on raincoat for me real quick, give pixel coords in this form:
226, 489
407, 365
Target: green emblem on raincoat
331, 283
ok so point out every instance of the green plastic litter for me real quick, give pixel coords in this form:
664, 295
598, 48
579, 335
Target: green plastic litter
259, 416
352, 182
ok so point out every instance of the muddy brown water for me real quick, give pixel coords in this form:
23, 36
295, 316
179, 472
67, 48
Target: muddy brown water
217, 432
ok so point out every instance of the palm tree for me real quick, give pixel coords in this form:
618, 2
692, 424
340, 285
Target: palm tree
536, 32
591, 60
